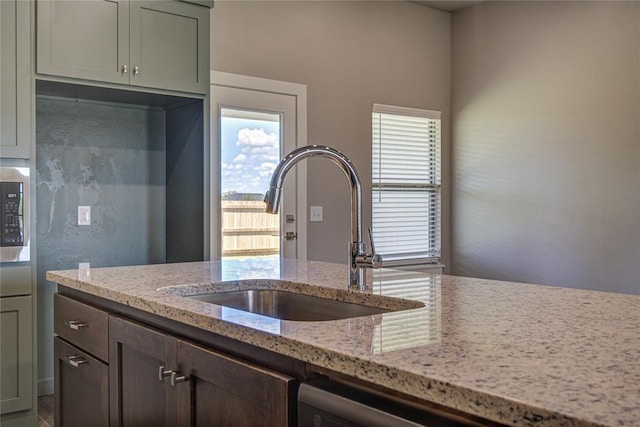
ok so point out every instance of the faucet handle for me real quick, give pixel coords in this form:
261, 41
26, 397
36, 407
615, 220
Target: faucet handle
373, 246
376, 260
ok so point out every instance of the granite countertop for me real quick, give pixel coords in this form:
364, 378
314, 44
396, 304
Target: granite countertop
523, 355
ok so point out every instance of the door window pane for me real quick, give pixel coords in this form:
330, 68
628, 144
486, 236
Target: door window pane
250, 151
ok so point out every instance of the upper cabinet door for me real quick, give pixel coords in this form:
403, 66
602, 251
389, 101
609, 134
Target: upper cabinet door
169, 45
14, 79
84, 39
8, 75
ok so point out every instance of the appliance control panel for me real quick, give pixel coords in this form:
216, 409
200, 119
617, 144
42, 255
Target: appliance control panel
14, 214
11, 214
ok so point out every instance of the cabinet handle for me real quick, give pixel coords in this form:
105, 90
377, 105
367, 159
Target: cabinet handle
175, 378
162, 372
76, 361
125, 69
136, 70
76, 324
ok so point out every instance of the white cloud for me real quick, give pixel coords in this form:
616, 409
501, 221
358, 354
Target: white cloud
256, 138
251, 169
268, 166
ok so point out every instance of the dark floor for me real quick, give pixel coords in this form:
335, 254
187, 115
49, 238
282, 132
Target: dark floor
45, 411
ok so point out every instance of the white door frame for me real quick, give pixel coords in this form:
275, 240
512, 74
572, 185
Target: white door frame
299, 91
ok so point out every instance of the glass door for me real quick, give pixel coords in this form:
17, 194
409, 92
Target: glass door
255, 130
250, 149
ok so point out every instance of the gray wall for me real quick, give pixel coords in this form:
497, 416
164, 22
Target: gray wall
111, 158
184, 183
546, 143
350, 55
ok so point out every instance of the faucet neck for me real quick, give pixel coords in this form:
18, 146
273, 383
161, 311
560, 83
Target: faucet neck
358, 258
272, 197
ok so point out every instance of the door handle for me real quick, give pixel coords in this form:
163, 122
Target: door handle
290, 235
177, 378
162, 372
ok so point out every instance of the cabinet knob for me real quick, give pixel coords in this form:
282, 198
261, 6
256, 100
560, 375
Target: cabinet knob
125, 69
162, 372
76, 324
176, 378
76, 361
136, 70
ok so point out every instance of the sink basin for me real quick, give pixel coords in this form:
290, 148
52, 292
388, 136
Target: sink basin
289, 305
287, 300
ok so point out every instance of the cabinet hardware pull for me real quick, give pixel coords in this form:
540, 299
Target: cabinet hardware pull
76, 324
175, 378
136, 70
162, 372
76, 361
125, 69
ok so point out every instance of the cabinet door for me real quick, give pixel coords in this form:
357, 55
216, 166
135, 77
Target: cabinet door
83, 39
16, 354
170, 45
222, 391
81, 387
137, 395
14, 79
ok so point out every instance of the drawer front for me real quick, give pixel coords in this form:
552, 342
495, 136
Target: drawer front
84, 326
15, 279
81, 388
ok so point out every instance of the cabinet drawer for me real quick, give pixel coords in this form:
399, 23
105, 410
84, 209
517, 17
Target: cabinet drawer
82, 325
82, 388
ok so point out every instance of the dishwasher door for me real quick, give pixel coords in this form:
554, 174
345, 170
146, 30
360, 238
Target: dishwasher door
330, 405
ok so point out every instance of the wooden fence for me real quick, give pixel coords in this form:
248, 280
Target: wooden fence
248, 230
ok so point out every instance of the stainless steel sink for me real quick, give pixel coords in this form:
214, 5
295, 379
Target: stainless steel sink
289, 305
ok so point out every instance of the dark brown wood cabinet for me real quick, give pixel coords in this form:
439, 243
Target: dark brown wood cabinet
139, 393
158, 379
221, 391
82, 387
81, 374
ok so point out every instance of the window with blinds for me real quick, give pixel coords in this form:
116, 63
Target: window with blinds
406, 184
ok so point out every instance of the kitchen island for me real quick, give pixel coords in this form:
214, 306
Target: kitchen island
513, 353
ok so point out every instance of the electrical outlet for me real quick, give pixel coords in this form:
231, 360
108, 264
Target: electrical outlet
84, 215
84, 270
315, 214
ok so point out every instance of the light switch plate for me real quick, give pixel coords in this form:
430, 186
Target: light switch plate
315, 214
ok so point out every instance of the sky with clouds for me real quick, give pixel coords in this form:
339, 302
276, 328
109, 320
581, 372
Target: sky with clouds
250, 153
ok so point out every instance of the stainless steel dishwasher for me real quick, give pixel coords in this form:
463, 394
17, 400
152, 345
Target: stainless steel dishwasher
326, 404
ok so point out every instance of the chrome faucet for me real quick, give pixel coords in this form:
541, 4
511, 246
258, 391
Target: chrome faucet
358, 257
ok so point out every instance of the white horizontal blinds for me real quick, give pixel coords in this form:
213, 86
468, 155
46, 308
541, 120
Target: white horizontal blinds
406, 183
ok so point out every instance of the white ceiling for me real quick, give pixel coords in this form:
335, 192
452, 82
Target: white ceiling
448, 5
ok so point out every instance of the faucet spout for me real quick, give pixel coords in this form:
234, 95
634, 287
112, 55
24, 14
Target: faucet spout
358, 258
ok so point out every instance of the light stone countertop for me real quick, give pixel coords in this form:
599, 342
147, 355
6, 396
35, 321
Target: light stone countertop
523, 355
